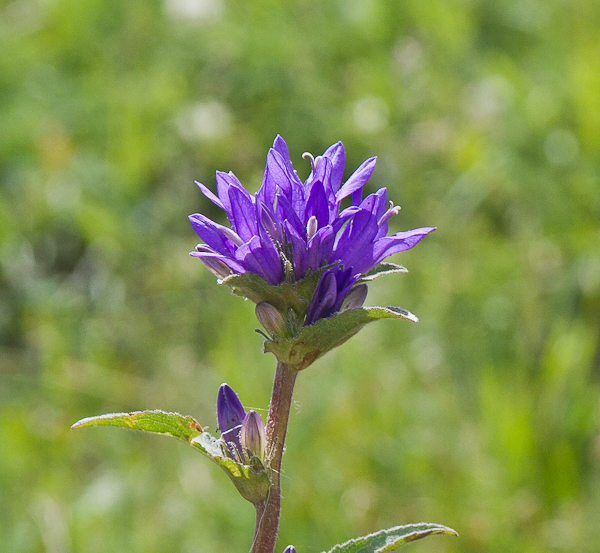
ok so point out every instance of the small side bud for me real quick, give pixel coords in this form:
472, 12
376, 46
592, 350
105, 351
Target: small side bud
355, 298
271, 319
230, 415
252, 435
290, 549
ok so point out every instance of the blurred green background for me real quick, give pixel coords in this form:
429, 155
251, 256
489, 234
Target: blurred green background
484, 416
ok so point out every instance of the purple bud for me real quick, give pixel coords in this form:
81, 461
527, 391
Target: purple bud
253, 434
230, 414
355, 298
289, 549
271, 319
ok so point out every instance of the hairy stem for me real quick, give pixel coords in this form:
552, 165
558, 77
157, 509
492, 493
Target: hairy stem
267, 513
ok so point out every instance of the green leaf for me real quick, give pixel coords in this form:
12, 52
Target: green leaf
296, 296
383, 269
388, 540
326, 334
160, 422
251, 480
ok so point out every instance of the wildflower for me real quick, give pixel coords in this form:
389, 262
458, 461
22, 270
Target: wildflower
230, 415
289, 549
290, 229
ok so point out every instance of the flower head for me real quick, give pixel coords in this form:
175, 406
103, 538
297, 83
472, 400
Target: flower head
290, 229
289, 549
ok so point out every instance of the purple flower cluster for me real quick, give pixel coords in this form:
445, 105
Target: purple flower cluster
289, 229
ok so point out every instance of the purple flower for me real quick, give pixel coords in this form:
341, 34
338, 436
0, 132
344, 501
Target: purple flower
230, 415
290, 229
289, 549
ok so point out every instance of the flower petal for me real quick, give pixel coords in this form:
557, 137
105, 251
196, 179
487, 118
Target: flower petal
354, 245
299, 250
285, 212
323, 300
225, 181
263, 261
356, 181
316, 205
215, 235
208, 257
243, 214
210, 195
291, 187
280, 146
337, 155
320, 247
399, 242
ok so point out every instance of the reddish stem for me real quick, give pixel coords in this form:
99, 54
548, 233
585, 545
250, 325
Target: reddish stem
267, 513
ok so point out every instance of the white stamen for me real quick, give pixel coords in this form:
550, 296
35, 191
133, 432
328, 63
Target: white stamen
393, 210
233, 236
311, 227
312, 160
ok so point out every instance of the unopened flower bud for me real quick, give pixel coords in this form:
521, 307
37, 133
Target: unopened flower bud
355, 298
271, 319
289, 549
230, 415
253, 434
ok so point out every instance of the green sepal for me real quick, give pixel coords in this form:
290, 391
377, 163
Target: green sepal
388, 540
286, 296
382, 269
317, 339
251, 480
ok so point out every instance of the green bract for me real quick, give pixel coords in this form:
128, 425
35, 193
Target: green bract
388, 540
317, 339
304, 344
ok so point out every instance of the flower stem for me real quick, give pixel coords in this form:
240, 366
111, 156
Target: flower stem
267, 513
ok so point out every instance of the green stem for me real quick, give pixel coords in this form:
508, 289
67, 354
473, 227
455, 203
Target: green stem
267, 513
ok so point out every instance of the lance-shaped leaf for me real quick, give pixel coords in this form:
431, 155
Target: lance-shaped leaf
383, 269
326, 334
388, 540
251, 481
